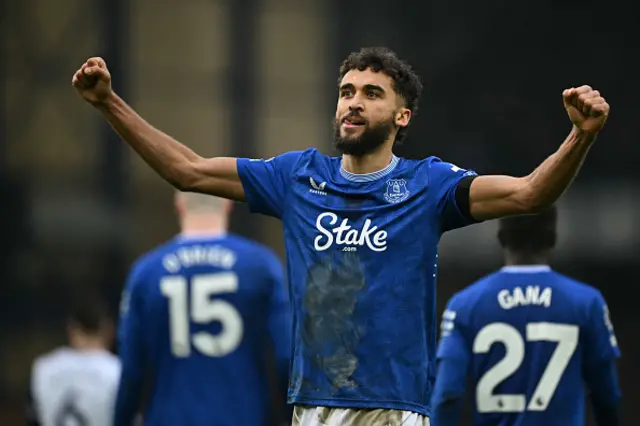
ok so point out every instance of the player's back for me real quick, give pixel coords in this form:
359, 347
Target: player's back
206, 315
78, 387
526, 328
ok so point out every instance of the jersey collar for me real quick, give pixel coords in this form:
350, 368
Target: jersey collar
201, 236
527, 269
369, 177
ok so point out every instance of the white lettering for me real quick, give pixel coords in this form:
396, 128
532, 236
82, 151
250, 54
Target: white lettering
186, 257
530, 296
369, 235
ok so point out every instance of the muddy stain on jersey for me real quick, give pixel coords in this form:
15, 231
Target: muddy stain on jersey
329, 330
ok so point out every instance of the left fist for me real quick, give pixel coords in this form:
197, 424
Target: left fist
587, 110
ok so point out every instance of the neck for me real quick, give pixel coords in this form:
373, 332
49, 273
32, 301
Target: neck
517, 259
368, 163
196, 225
87, 342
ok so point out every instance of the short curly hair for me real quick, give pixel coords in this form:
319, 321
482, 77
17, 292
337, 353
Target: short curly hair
529, 234
406, 82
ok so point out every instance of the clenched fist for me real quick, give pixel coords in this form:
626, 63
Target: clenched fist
587, 110
93, 81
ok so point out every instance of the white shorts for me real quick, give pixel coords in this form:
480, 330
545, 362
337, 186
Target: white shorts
326, 416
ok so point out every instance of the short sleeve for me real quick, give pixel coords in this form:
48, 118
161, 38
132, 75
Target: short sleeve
445, 178
453, 344
601, 344
130, 349
130, 322
279, 324
454, 359
266, 183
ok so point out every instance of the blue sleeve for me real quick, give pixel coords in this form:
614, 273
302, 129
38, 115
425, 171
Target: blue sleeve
266, 183
453, 343
130, 351
604, 393
444, 177
279, 319
601, 345
280, 333
601, 351
446, 400
453, 366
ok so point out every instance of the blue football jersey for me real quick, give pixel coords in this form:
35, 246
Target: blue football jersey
361, 264
198, 316
529, 338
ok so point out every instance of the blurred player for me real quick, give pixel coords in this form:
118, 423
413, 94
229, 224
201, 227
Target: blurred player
361, 231
199, 317
530, 338
76, 385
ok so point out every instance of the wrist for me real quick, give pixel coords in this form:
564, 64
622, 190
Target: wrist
107, 103
583, 136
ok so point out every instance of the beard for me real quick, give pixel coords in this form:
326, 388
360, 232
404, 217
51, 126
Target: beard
371, 138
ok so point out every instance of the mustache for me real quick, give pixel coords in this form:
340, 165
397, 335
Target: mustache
353, 114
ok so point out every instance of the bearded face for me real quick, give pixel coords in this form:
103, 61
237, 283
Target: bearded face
369, 112
355, 135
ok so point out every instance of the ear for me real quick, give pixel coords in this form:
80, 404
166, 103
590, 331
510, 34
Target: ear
403, 116
178, 202
227, 207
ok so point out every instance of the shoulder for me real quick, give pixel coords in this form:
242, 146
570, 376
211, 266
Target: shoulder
468, 302
314, 159
432, 171
438, 168
111, 365
283, 163
476, 290
153, 257
579, 291
42, 367
292, 157
588, 302
458, 312
42, 361
49, 362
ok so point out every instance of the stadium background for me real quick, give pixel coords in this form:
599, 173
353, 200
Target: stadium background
256, 78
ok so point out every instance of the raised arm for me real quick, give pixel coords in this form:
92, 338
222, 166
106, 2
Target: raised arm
175, 162
492, 197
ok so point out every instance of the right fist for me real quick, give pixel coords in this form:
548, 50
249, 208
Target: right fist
93, 81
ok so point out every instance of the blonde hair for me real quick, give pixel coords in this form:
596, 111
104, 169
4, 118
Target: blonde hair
200, 203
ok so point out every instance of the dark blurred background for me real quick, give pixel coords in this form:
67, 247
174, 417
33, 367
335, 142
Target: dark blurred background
256, 78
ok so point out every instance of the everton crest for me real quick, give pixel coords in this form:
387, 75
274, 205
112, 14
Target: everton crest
396, 191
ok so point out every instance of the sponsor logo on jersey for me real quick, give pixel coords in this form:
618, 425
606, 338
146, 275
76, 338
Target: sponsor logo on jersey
334, 230
317, 188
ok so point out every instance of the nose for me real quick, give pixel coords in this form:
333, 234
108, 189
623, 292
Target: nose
356, 106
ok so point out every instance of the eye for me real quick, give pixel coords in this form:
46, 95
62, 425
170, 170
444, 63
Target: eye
372, 94
345, 93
